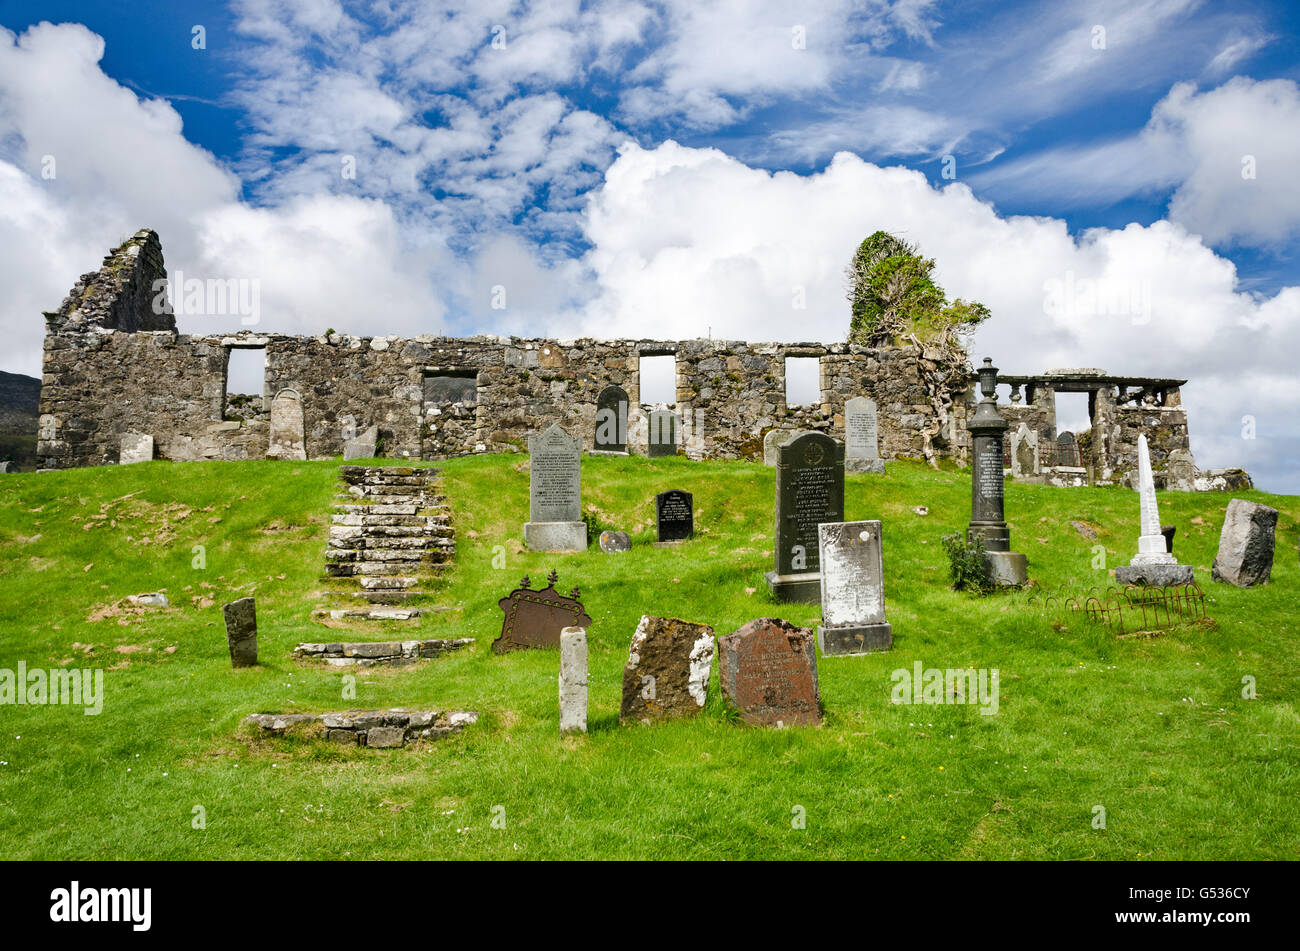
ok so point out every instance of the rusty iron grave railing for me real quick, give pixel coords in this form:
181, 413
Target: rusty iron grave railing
1127, 610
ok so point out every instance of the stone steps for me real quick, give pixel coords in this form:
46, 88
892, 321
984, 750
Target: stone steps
390, 530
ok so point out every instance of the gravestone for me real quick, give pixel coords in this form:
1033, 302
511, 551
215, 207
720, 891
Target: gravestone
611, 421
5, 466
861, 437
1245, 556
768, 671
555, 493
809, 491
675, 515
1153, 565
362, 446
537, 618
286, 440
1067, 449
241, 631
615, 543
852, 589
667, 670
987, 428
135, 447
573, 680
1169, 531
664, 429
773, 440
1180, 471
1024, 452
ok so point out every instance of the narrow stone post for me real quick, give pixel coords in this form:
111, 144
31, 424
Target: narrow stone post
573, 680
241, 631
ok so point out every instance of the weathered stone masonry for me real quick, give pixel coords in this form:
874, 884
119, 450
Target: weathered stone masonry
112, 366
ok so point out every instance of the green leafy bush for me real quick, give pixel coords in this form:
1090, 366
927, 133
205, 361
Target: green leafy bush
966, 563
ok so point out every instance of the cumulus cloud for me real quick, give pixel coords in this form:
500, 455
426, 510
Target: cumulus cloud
691, 241
1228, 154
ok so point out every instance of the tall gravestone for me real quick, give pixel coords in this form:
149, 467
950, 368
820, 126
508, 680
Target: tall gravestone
611, 421
852, 589
1024, 452
1153, 565
663, 437
286, 440
809, 491
987, 428
555, 493
862, 436
675, 515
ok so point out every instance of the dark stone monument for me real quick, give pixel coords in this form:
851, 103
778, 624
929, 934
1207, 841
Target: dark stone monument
241, 631
987, 427
615, 543
664, 427
768, 671
1067, 450
853, 589
667, 671
611, 421
809, 491
675, 511
1169, 531
537, 618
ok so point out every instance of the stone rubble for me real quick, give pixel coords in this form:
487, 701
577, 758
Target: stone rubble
377, 729
372, 653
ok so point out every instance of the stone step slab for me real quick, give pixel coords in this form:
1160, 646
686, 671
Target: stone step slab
376, 729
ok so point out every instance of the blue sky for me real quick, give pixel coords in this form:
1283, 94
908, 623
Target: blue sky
671, 169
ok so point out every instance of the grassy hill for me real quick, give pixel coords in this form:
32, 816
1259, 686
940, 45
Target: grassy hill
1155, 729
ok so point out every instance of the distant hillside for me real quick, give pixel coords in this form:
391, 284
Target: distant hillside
19, 397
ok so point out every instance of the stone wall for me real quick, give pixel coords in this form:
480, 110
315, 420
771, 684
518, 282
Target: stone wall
99, 385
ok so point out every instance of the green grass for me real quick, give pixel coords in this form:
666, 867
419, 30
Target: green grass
1155, 730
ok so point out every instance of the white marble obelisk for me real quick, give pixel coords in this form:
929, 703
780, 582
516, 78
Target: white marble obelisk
1153, 564
1152, 549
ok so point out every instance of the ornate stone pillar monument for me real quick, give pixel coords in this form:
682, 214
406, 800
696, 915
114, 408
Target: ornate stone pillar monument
987, 428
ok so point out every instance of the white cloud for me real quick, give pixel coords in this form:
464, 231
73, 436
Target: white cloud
1196, 143
691, 240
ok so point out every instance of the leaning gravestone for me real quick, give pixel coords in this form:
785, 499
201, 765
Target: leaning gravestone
287, 440
135, 447
5, 466
809, 491
852, 589
241, 631
537, 618
1024, 452
611, 421
667, 671
675, 515
768, 671
362, 446
555, 493
1245, 556
573, 680
861, 437
772, 443
664, 426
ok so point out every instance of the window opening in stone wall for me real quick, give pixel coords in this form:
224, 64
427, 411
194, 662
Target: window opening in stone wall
803, 382
448, 387
245, 383
1073, 429
658, 378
